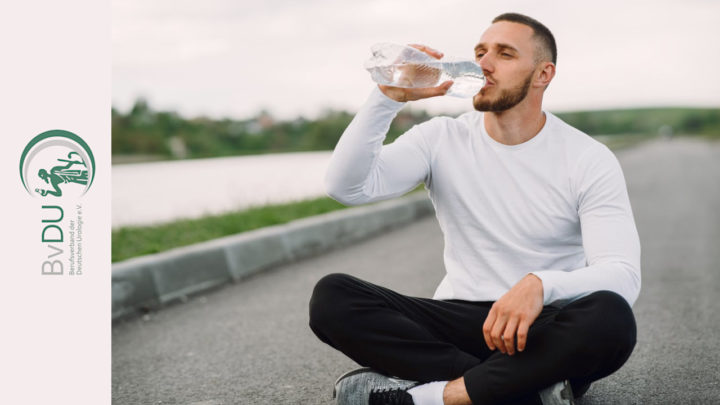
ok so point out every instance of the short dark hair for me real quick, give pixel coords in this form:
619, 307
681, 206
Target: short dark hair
540, 32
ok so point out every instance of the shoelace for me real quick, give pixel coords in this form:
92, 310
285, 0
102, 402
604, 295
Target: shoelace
389, 396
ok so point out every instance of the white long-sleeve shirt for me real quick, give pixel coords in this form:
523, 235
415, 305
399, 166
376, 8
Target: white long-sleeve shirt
555, 206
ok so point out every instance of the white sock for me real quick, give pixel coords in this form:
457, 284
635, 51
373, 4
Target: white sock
428, 394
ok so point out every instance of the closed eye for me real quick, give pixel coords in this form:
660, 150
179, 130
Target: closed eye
504, 54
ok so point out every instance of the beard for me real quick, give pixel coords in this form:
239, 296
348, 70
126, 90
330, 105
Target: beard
507, 99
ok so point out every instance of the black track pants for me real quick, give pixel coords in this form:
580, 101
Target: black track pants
428, 340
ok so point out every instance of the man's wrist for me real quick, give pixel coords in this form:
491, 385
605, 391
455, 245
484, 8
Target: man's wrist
538, 282
392, 93
387, 100
534, 277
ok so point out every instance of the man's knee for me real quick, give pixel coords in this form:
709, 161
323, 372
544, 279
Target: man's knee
613, 313
326, 302
608, 325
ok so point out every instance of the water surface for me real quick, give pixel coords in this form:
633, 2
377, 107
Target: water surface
147, 193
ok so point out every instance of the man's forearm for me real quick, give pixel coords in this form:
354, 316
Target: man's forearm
358, 148
619, 277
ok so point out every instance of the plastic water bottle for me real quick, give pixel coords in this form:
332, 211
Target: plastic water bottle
405, 66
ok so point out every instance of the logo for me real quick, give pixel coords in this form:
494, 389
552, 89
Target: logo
57, 163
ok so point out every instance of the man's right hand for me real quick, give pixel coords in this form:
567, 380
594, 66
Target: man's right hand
402, 94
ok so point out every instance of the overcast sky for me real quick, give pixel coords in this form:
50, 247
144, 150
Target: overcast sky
232, 58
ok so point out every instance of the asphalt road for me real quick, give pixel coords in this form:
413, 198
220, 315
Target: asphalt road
250, 344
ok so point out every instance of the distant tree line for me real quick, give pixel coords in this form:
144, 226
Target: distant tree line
686, 121
167, 135
145, 131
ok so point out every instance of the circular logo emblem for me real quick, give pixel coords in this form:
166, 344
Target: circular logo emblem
57, 163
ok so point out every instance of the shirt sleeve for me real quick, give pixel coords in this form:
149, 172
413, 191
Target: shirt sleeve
610, 237
362, 170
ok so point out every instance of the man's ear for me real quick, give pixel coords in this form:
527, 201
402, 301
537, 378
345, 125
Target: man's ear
545, 74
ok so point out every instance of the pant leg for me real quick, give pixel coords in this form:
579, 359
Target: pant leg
584, 341
412, 338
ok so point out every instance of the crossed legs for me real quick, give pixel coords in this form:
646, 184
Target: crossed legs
433, 340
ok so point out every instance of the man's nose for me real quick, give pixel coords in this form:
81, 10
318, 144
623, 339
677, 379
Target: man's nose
486, 63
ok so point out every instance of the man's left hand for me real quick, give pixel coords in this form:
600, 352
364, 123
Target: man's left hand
513, 314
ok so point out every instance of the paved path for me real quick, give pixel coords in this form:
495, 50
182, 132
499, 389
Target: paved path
250, 344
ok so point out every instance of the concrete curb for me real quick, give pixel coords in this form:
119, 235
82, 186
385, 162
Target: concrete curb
151, 281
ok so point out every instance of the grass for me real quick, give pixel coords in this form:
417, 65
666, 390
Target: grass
129, 242
617, 142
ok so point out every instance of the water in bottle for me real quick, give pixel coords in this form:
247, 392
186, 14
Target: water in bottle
405, 66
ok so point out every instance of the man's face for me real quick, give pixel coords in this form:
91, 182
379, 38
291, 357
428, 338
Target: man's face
506, 53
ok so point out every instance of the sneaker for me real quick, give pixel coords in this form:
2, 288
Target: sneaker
366, 386
557, 394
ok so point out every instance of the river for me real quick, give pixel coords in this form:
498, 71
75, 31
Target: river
157, 192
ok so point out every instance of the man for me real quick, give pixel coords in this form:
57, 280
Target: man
541, 250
